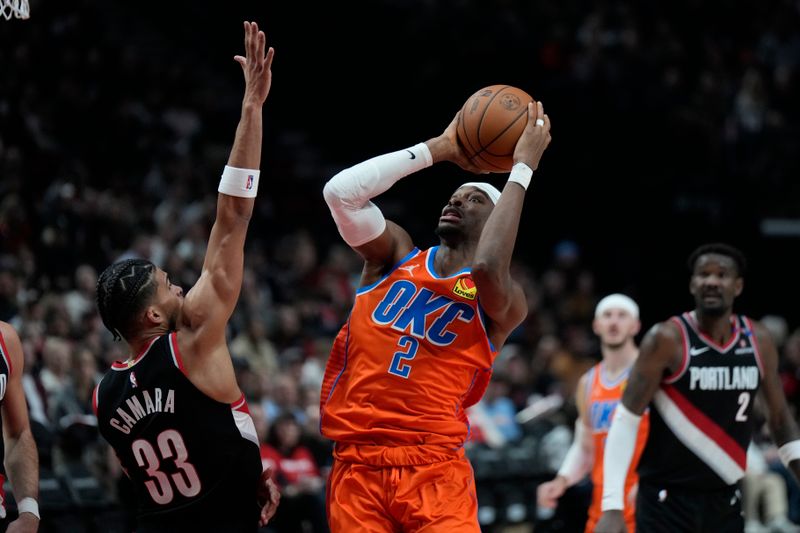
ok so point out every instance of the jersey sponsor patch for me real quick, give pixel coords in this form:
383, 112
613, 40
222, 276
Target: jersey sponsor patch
465, 288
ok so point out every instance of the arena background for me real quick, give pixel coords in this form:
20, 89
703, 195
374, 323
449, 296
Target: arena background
649, 157
674, 124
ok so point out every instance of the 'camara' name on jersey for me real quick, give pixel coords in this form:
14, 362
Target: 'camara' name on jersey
723, 378
152, 402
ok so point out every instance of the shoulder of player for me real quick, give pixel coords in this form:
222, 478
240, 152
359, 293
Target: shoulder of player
662, 341
665, 331
12, 343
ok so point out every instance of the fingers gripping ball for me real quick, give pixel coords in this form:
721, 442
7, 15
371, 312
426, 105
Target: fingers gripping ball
491, 122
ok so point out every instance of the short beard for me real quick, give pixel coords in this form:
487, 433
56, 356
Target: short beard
449, 234
716, 311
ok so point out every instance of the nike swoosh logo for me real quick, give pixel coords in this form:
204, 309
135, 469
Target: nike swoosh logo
697, 351
412, 154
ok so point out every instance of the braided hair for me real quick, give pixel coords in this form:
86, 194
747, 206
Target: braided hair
123, 291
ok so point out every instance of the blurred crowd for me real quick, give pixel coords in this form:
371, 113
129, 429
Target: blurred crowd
98, 163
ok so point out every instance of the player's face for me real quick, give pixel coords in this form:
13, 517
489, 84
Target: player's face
465, 213
169, 299
615, 327
715, 284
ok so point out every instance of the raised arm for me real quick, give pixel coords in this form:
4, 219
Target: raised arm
501, 297
21, 458
782, 424
211, 301
360, 222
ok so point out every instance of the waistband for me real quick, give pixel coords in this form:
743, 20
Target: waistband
375, 455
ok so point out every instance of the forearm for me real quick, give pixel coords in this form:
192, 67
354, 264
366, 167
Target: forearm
22, 466
355, 186
618, 456
349, 192
578, 460
246, 150
496, 245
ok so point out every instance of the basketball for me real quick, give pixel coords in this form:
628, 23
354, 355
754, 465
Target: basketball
491, 121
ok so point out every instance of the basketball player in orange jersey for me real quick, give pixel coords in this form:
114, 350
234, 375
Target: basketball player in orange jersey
19, 461
616, 322
700, 372
173, 412
418, 347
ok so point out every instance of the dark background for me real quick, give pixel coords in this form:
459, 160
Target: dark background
647, 159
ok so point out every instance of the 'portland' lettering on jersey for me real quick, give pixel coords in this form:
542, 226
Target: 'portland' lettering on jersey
723, 378
406, 308
154, 401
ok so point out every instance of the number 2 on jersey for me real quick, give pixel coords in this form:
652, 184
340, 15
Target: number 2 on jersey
744, 401
170, 443
408, 350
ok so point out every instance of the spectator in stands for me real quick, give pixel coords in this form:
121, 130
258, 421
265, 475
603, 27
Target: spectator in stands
298, 475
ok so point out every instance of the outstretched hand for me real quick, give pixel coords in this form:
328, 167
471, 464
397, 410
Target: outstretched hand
268, 497
257, 65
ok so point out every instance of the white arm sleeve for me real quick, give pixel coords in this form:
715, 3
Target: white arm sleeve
348, 193
578, 460
620, 445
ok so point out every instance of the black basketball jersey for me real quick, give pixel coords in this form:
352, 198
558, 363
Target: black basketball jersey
192, 459
701, 417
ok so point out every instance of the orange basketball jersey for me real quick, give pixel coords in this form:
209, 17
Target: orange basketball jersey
602, 397
411, 357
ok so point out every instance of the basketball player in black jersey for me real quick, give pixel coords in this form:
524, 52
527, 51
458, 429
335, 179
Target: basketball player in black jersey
700, 373
173, 411
18, 454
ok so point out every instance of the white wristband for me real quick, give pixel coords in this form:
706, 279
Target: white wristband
241, 182
789, 452
28, 505
521, 173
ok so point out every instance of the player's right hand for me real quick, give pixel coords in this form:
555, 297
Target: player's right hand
611, 522
547, 494
446, 147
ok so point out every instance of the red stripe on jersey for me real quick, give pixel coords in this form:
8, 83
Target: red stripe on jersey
122, 365
707, 426
754, 342
241, 405
711, 342
173, 339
